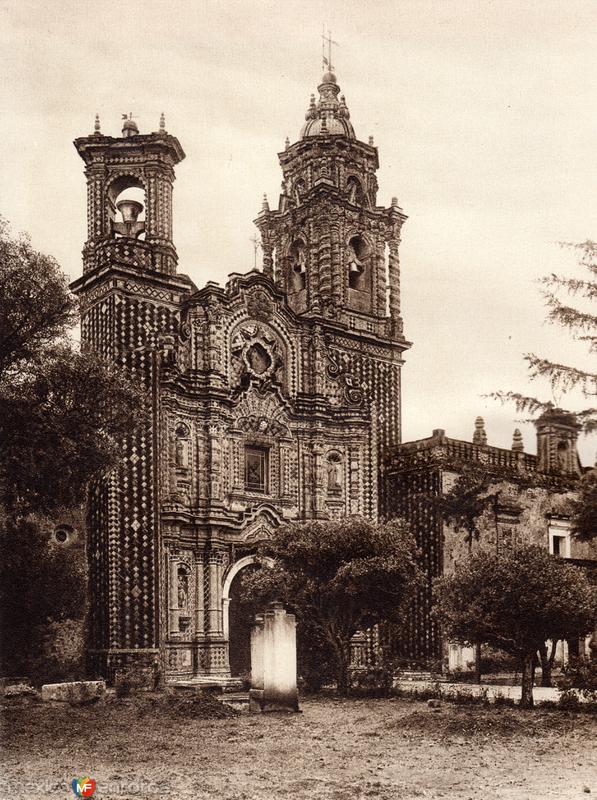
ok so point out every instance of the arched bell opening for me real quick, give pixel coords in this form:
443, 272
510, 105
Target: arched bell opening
297, 277
359, 265
357, 253
126, 207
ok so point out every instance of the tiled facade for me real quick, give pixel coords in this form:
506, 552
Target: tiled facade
269, 400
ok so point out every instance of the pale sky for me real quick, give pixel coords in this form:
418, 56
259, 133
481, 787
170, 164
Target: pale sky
484, 114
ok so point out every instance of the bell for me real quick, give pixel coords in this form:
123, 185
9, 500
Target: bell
354, 267
130, 209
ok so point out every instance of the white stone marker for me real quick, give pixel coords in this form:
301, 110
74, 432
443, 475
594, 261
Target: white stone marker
273, 661
74, 691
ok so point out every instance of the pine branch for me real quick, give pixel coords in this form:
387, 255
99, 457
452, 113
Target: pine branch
592, 340
573, 286
569, 317
562, 376
522, 403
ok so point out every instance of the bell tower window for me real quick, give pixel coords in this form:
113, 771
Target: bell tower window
356, 264
126, 207
298, 267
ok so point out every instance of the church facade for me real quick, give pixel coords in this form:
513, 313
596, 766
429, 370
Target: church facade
270, 400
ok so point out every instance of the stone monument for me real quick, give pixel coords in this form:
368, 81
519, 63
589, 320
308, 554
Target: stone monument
273, 662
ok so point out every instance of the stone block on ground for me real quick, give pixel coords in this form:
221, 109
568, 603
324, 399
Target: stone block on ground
12, 681
19, 690
74, 691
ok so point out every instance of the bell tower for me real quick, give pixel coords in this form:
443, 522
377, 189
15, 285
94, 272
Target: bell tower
114, 167
130, 295
328, 245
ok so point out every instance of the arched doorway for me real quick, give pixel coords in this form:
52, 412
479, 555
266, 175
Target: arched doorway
238, 617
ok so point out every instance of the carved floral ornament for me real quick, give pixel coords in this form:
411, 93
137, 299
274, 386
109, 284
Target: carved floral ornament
262, 425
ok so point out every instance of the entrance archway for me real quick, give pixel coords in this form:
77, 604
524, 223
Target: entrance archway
237, 617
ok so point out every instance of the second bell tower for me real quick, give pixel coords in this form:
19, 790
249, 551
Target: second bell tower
329, 246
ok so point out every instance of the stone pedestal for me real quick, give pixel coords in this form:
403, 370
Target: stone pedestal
273, 662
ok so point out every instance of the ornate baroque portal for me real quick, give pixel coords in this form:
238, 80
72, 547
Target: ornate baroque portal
272, 399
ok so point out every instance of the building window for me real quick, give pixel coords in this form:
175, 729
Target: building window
559, 539
256, 469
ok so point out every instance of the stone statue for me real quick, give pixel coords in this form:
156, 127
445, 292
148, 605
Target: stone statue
182, 589
181, 453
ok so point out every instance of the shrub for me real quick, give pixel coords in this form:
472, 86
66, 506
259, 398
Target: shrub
494, 660
580, 674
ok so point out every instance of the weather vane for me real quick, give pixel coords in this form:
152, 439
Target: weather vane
327, 62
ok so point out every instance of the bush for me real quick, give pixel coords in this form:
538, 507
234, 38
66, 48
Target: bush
580, 674
494, 660
372, 682
61, 652
504, 702
568, 700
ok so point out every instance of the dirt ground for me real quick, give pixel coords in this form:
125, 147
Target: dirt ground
394, 749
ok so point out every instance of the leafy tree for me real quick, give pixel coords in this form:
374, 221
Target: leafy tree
62, 412
62, 416
338, 577
515, 602
579, 322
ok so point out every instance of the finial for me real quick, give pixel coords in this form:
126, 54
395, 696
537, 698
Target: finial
96, 126
264, 203
517, 443
327, 62
129, 126
479, 436
394, 202
287, 143
162, 123
371, 141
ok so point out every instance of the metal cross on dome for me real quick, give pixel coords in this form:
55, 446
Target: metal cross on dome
327, 62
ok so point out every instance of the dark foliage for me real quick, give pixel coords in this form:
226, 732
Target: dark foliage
38, 584
62, 413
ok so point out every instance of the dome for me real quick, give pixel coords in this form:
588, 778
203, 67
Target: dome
334, 126
129, 128
329, 116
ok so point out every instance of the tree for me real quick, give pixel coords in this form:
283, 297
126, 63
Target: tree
516, 601
585, 507
582, 324
62, 412
338, 577
462, 508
